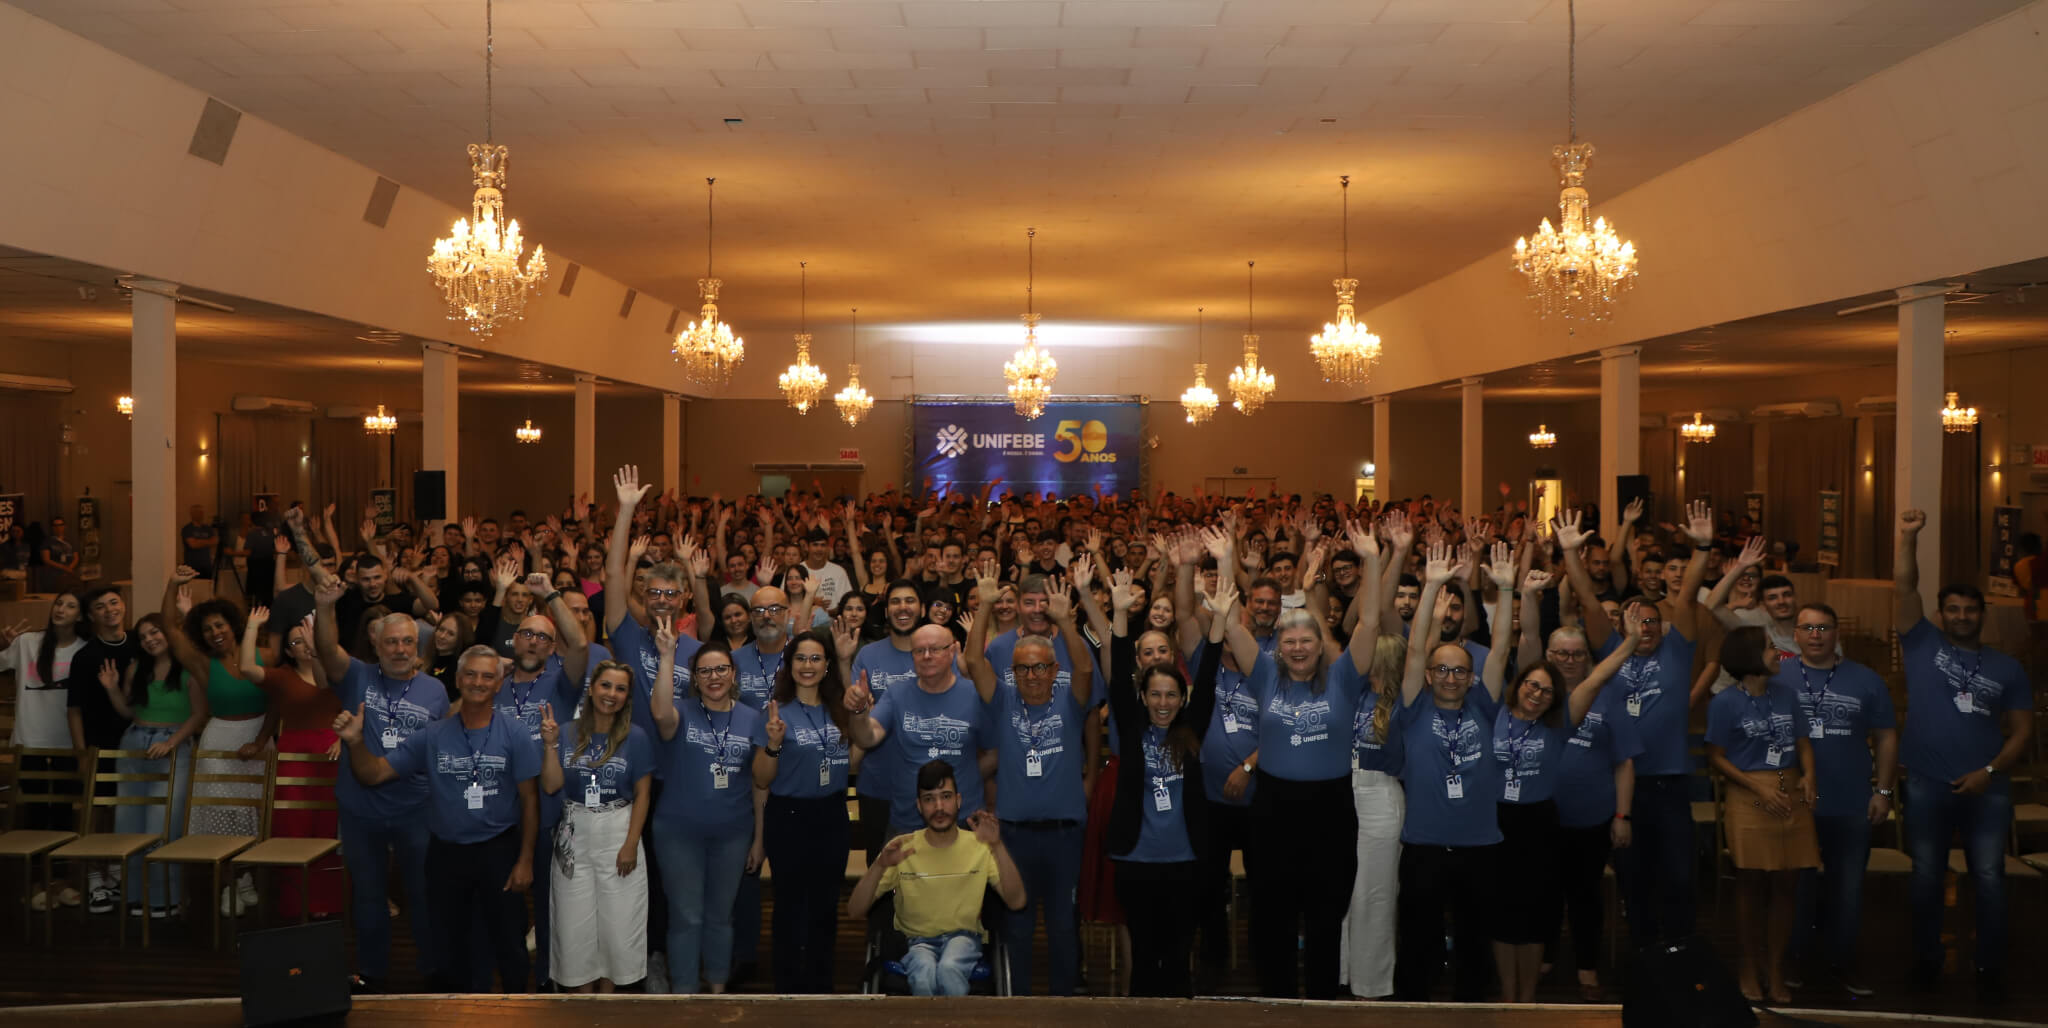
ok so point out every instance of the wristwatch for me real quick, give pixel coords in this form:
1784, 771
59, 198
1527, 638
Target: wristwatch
1623, 817
776, 752
1991, 769
1246, 767
1886, 793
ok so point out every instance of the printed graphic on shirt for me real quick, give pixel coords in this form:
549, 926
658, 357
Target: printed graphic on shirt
1040, 735
1519, 753
485, 768
1958, 675
379, 713
611, 775
1589, 729
1237, 703
935, 736
650, 663
1774, 729
1361, 726
1642, 678
725, 748
827, 739
1306, 722
1838, 713
1468, 744
1159, 767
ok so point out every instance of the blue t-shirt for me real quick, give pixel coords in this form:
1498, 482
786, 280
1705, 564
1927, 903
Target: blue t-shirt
1585, 773
615, 778
810, 741
523, 702
598, 655
1450, 751
1306, 735
1045, 739
888, 669
1002, 648
493, 759
1369, 753
1233, 733
924, 727
757, 673
1843, 705
1528, 753
710, 747
1944, 742
1657, 691
631, 645
406, 708
1163, 825
1757, 732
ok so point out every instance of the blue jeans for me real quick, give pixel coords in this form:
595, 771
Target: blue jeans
1831, 901
701, 876
939, 966
368, 848
140, 819
1934, 814
1049, 863
1656, 869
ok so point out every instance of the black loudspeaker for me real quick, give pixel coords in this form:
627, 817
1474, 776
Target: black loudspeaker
1628, 488
295, 975
430, 495
1682, 985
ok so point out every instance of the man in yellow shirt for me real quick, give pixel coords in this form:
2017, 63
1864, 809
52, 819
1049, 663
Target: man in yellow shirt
939, 876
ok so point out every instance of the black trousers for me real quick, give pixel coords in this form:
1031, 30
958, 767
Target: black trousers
806, 840
1582, 859
1308, 890
1161, 922
466, 887
874, 825
1230, 828
1435, 880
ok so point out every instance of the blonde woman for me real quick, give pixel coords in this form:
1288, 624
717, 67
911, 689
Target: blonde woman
1376, 795
602, 769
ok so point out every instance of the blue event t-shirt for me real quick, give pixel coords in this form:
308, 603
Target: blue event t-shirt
408, 707
496, 758
632, 646
1845, 704
1305, 735
1374, 754
1528, 753
1233, 732
1162, 834
1749, 727
1050, 732
691, 799
523, 702
1585, 774
1439, 743
924, 727
1002, 648
615, 778
888, 669
1661, 684
757, 673
810, 740
1942, 742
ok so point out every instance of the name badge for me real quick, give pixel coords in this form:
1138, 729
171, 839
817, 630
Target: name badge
1357, 760
1454, 786
1773, 757
824, 770
474, 796
1816, 729
1229, 723
1635, 706
1966, 702
1162, 800
1034, 766
720, 778
390, 738
1512, 790
593, 797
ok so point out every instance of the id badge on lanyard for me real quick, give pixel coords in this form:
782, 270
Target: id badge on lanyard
593, 795
824, 769
720, 777
474, 795
1034, 765
1454, 786
1511, 790
1162, 800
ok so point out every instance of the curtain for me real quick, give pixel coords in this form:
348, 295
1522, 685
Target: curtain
1659, 461
344, 469
1961, 500
1884, 513
256, 454
405, 459
30, 451
1807, 456
1721, 470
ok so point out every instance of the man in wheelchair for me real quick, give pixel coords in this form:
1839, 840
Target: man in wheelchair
940, 877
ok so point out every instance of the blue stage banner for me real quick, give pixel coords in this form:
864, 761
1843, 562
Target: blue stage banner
1069, 449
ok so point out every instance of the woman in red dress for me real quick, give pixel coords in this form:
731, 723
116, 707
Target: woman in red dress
305, 708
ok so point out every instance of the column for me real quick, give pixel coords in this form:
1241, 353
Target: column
1920, 385
586, 436
1472, 493
1383, 448
672, 443
154, 464
1621, 438
440, 399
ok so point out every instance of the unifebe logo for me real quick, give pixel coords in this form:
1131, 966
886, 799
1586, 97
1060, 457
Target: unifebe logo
952, 441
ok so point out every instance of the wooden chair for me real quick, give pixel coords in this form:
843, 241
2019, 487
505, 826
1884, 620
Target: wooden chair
62, 787
215, 850
292, 852
116, 847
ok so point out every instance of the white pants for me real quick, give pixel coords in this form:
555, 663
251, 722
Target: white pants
598, 920
1367, 960
230, 736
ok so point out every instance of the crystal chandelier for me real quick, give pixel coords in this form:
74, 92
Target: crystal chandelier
1575, 270
1250, 384
126, 405
1956, 418
477, 268
1543, 438
527, 433
1030, 372
1199, 400
804, 382
707, 349
380, 423
1699, 430
854, 402
1345, 351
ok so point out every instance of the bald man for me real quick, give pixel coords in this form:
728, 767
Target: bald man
758, 661
939, 717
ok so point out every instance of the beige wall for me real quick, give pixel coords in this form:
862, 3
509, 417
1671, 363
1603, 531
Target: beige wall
502, 474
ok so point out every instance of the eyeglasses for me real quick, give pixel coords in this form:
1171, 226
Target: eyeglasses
808, 658
663, 594
1540, 690
715, 671
1454, 673
1569, 654
930, 651
769, 611
530, 635
1815, 629
1043, 667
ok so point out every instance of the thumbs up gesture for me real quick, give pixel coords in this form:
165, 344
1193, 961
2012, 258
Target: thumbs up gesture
350, 726
550, 732
859, 697
777, 728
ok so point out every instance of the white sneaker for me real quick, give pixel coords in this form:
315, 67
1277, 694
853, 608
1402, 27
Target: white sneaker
530, 947
245, 889
657, 973
231, 903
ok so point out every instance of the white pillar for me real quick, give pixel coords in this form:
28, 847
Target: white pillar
1383, 448
586, 436
440, 415
153, 466
1621, 430
672, 443
1472, 434
1920, 385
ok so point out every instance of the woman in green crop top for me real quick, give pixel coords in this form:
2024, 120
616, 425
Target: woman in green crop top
241, 720
167, 714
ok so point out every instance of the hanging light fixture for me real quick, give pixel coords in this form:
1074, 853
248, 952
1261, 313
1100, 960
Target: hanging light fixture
1030, 372
854, 402
126, 406
1955, 418
1199, 400
804, 382
1345, 351
1699, 430
477, 268
707, 349
1250, 384
1543, 438
1575, 270
380, 423
527, 433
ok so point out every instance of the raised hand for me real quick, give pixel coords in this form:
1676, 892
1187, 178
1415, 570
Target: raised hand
1059, 600
349, 727
505, 572
637, 549
1699, 522
1400, 530
538, 584
1535, 581
550, 732
898, 850
182, 574
1218, 544
184, 602
986, 828
665, 633
777, 728
1752, 554
1501, 565
765, 574
1225, 596
987, 584
858, 697
845, 637
1121, 590
1912, 521
1082, 571
1633, 512
327, 589
626, 482
1566, 528
9, 633
1436, 565
110, 675
258, 616
281, 543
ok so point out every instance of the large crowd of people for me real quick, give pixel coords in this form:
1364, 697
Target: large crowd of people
606, 726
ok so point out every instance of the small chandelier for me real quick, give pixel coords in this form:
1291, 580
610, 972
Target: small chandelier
1250, 384
1957, 419
707, 349
1699, 430
126, 405
804, 382
1543, 438
380, 423
854, 402
477, 268
1345, 351
1030, 372
1199, 400
527, 433
1575, 270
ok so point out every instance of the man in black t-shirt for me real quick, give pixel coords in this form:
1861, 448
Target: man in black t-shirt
94, 721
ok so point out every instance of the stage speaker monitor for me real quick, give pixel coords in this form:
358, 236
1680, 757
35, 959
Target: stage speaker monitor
430, 495
1626, 489
1682, 985
295, 975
